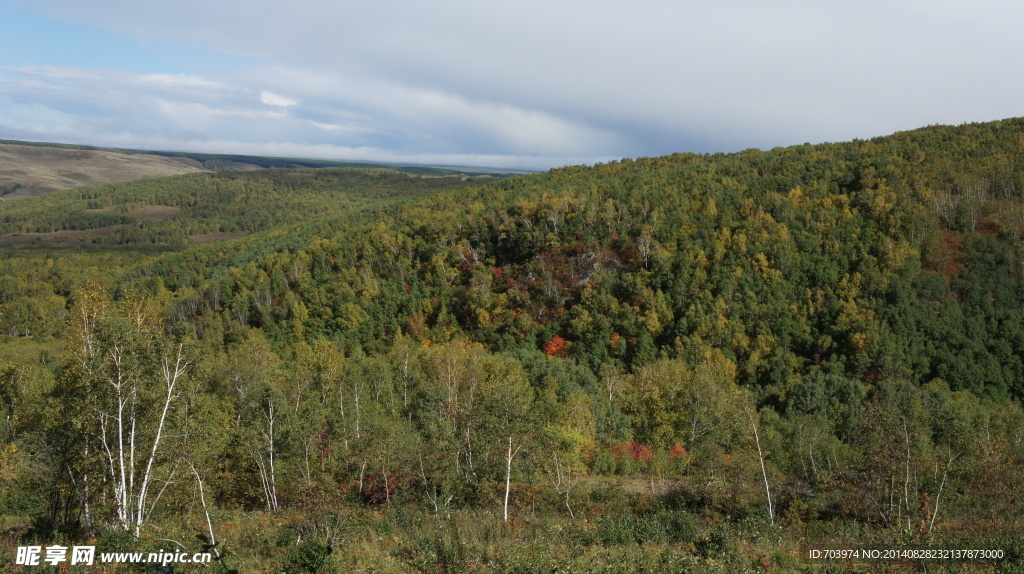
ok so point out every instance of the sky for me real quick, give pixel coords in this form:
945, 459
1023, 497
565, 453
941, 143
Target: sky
532, 84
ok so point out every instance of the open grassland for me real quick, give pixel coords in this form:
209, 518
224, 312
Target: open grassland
29, 169
26, 171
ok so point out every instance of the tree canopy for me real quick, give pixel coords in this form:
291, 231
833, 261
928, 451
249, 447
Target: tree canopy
837, 326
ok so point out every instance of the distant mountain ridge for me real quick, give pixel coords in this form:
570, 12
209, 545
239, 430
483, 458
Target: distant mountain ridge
29, 169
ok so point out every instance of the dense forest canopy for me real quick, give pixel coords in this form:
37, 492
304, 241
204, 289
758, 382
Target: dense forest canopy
841, 324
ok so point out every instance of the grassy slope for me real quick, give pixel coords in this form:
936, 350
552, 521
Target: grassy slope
29, 169
40, 170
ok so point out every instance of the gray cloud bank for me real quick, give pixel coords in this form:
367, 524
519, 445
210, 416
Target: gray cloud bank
529, 84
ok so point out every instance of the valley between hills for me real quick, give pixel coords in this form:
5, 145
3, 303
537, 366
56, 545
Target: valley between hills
689, 363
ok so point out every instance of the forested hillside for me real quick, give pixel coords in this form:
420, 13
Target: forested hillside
730, 359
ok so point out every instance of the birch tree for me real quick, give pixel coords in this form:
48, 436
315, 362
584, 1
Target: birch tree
507, 424
127, 383
563, 442
261, 409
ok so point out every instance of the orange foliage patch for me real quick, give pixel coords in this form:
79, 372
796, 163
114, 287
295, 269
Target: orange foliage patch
946, 258
556, 347
677, 451
639, 453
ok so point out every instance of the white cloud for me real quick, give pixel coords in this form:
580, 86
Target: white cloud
335, 116
272, 99
114, 108
178, 80
553, 78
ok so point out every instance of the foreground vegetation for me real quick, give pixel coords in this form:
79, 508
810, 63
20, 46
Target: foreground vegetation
690, 363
